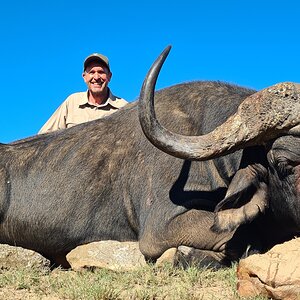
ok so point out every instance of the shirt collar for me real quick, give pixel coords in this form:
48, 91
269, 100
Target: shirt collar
111, 100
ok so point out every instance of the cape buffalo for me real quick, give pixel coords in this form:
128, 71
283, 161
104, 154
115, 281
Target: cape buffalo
104, 180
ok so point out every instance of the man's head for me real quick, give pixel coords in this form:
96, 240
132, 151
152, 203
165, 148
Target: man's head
97, 74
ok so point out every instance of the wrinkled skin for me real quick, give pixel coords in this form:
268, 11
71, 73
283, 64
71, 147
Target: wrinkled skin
268, 191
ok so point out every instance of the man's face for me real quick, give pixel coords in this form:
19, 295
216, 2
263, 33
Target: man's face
97, 76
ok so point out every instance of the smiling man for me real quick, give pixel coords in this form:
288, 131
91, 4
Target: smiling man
97, 102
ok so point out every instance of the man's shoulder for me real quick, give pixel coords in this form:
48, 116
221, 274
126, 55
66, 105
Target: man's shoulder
77, 98
120, 100
117, 101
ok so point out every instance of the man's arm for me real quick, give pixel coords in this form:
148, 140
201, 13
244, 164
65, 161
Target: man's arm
57, 120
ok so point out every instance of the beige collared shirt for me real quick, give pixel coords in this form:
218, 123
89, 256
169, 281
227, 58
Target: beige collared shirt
76, 109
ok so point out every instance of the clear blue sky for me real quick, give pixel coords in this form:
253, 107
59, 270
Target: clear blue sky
43, 44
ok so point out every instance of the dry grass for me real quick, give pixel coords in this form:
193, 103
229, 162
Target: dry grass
146, 283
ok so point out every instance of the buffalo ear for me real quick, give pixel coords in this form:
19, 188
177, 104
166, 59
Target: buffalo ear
246, 197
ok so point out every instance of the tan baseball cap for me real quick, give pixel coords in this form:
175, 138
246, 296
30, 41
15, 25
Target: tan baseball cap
96, 57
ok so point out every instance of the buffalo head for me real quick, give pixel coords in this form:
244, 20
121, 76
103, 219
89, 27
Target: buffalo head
270, 119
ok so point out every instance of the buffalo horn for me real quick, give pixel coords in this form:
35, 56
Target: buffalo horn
262, 116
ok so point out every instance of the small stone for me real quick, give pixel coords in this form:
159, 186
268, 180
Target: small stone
113, 255
275, 274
